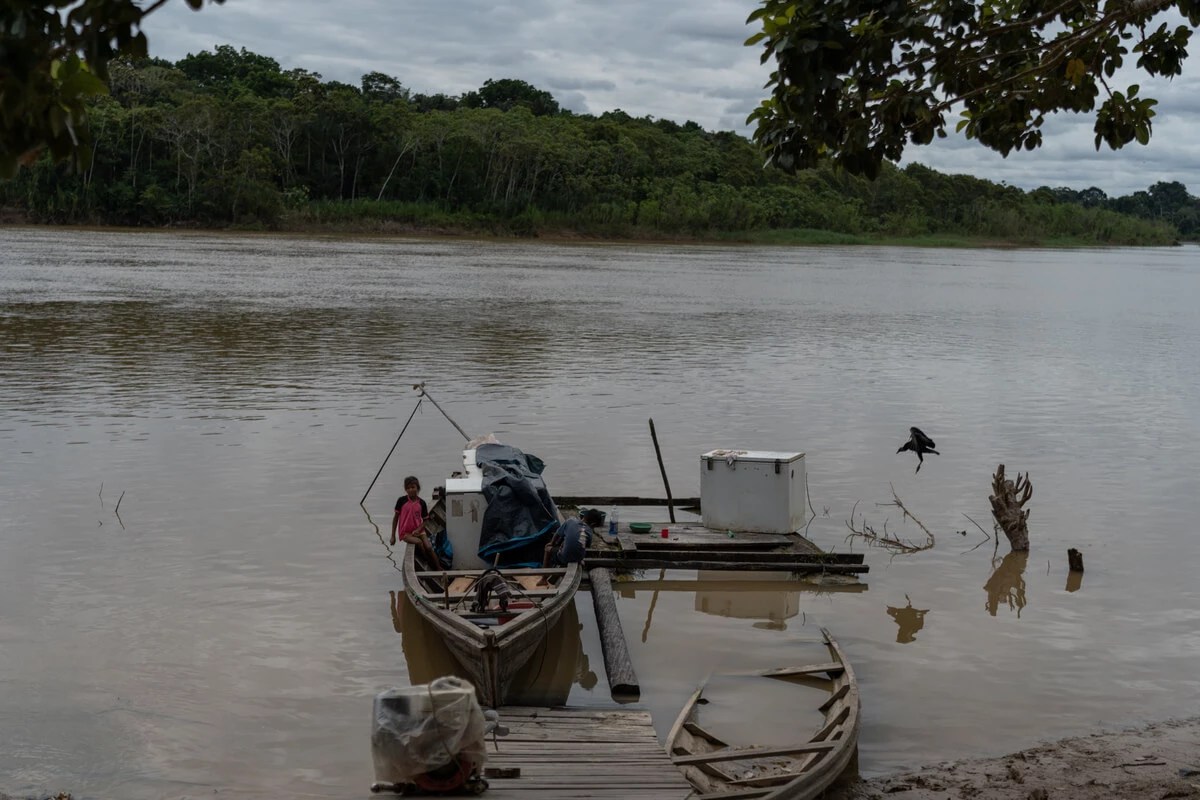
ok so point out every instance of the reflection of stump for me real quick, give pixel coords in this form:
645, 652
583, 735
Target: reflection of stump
1008, 501
1007, 584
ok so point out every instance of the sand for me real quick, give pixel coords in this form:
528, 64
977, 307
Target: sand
1156, 762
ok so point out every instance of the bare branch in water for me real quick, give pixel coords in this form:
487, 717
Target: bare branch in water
888, 541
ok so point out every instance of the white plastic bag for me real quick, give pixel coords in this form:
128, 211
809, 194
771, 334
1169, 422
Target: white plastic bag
421, 728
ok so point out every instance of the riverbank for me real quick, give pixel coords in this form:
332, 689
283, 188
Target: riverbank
1156, 762
798, 237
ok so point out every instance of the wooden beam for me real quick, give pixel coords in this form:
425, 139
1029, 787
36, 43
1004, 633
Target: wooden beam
749, 753
648, 549
736, 585
617, 500
641, 561
809, 669
463, 573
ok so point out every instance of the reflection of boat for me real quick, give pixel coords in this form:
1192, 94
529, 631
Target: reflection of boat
494, 640
795, 771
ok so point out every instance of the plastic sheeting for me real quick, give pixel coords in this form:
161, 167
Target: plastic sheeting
418, 729
521, 516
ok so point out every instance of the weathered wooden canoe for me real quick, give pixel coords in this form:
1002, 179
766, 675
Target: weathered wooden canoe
491, 644
801, 770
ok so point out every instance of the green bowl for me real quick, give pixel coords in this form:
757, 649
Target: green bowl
639, 527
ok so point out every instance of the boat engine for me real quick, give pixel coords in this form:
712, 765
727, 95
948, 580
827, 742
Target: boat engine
430, 740
491, 583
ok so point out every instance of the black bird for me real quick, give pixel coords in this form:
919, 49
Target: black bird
920, 444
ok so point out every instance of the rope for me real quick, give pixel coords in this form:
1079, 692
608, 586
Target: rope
389, 455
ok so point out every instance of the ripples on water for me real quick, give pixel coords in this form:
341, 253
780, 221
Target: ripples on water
227, 629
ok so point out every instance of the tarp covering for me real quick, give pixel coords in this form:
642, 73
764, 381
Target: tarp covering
418, 729
521, 516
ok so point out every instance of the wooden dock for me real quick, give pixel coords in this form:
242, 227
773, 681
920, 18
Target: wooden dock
689, 545
582, 752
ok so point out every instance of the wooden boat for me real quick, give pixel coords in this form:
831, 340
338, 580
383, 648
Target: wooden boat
491, 644
801, 770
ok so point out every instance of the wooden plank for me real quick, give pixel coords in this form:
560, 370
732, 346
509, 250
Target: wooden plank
601, 501
768, 780
570, 752
685, 535
735, 585
642, 561
750, 753
622, 680
628, 542
456, 573
650, 549
737, 795
808, 669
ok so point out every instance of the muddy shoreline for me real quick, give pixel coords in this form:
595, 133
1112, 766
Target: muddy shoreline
1155, 762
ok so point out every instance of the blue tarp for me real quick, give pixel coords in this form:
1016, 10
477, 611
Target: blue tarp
521, 516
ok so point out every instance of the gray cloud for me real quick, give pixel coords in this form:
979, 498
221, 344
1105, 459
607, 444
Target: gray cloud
646, 57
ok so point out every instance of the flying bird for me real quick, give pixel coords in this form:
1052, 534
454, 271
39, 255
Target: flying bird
920, 444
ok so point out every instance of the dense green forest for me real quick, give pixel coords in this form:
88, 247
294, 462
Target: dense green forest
228, 138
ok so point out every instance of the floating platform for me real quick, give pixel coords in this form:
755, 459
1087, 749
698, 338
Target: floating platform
582, 752
690, 545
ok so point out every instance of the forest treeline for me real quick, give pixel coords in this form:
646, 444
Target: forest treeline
228, 138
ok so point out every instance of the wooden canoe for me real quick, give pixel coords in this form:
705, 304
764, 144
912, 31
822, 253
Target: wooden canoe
800, 770
491, 645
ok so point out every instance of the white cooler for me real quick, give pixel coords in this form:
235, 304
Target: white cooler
753, 490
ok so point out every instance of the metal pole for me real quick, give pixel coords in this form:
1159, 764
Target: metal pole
420, 387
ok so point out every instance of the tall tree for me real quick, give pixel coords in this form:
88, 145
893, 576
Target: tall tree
508, 93
858, 80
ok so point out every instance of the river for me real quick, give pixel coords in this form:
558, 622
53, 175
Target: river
192, 600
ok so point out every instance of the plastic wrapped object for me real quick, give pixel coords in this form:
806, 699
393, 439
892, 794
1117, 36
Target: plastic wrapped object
426, 729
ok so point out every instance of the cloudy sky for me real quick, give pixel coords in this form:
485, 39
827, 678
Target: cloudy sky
672, 60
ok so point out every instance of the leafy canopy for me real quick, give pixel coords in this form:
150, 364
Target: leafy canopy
53, 56
858, 80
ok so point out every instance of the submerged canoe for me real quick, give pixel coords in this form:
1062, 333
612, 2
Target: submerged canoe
490, 643
800, 770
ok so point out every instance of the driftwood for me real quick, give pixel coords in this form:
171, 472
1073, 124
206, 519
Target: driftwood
1008, 500
622, 680
889, 541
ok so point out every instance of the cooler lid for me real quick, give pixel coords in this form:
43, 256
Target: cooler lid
471, 479
769, 456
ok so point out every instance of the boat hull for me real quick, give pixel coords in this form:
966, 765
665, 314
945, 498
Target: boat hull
491, 656
797, 771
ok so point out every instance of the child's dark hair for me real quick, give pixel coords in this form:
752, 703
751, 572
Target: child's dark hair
412, 479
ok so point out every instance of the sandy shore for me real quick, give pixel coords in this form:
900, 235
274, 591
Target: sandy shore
1156, 762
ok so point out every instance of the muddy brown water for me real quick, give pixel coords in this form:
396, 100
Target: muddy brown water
223, 629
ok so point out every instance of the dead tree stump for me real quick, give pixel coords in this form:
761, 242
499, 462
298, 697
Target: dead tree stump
1074, 560
1008, 501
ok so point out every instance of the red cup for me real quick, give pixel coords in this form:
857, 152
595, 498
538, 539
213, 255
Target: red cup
665, 533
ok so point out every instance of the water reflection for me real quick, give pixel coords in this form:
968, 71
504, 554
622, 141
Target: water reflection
1074, 581
769, 598
546, 680
909, 619
1007, 584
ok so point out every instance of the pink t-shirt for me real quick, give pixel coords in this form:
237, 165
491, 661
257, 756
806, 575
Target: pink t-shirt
410, 518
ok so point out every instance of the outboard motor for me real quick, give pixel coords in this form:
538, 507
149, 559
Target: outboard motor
491, 583
429, 740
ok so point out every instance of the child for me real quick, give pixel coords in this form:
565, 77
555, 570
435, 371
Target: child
408, 523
